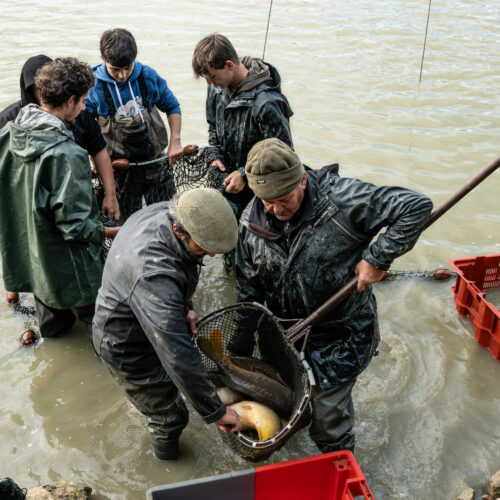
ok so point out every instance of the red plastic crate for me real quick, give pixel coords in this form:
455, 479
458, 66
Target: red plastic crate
475, 274
332, 476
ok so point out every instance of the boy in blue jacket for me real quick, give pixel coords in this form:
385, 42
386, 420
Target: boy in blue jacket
125, 100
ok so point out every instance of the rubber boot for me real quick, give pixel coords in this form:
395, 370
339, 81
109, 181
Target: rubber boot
166, 449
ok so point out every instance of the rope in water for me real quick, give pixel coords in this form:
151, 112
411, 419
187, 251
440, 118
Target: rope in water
436, 274
267, 29
423, 50
425, 42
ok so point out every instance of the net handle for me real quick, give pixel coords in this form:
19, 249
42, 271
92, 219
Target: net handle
124, 164
298, 330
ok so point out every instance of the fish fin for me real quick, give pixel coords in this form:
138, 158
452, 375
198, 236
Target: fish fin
216, 341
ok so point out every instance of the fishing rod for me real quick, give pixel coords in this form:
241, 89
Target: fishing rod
298, 330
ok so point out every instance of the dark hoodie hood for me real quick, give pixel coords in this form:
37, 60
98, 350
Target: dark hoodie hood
258, 72
28, 73
35, 131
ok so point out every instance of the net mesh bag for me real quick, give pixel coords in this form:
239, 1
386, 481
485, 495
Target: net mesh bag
251, 329
154, 181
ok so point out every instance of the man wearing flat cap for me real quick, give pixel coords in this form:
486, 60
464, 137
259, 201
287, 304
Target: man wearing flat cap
305, 235
144, 317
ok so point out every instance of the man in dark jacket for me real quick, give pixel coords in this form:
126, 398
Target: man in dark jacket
304, 236
144, 317
86, 131
50, 232
244, 106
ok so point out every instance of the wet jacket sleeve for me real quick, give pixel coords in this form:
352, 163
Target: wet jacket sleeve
248, 286
248, 289
161, 95
370, 208
213, 139
158, 303
72, 199
272, 122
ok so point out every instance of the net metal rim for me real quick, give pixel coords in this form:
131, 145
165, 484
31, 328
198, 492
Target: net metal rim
270, 444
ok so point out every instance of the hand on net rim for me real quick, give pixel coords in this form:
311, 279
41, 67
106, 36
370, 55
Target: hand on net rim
230, 422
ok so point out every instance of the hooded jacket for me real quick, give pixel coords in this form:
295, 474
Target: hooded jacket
240, 117
127, 95
50, 233
140, 315
86, 131
295, 267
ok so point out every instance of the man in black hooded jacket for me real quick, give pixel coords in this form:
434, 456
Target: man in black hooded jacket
305, 235
244, 106
85, 129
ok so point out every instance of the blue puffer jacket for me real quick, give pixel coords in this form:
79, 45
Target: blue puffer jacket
159, 94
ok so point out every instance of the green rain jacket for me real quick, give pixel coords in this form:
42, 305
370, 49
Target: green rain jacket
50, 232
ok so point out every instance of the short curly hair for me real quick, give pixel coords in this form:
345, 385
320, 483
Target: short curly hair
64, 77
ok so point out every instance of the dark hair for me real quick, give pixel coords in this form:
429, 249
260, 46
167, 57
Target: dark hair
118, 47
62, 78
214, 50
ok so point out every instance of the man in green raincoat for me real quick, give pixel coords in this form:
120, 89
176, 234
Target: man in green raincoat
50, 232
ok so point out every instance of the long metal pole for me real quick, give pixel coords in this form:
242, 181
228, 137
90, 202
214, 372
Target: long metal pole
297, 331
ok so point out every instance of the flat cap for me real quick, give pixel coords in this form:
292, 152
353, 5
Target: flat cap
209, 220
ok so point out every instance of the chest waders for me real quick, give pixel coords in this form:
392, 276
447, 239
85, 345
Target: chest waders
138, 138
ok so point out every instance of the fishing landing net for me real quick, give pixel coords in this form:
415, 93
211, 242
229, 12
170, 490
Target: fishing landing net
250, 329
141, 184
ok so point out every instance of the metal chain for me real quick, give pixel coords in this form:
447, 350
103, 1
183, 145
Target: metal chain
437, 274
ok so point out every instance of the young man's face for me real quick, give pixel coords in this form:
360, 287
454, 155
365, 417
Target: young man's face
285, 207
220, 77
74, 107
119, 74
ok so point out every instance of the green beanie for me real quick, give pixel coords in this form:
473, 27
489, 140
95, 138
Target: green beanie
209, 220
273, 169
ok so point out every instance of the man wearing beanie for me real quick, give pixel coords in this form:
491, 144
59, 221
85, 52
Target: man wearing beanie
305, 235
144, 317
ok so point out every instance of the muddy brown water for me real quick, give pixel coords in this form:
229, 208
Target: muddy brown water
427, 408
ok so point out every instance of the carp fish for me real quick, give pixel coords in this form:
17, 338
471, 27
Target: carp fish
258, 417
228, 396
254, 378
